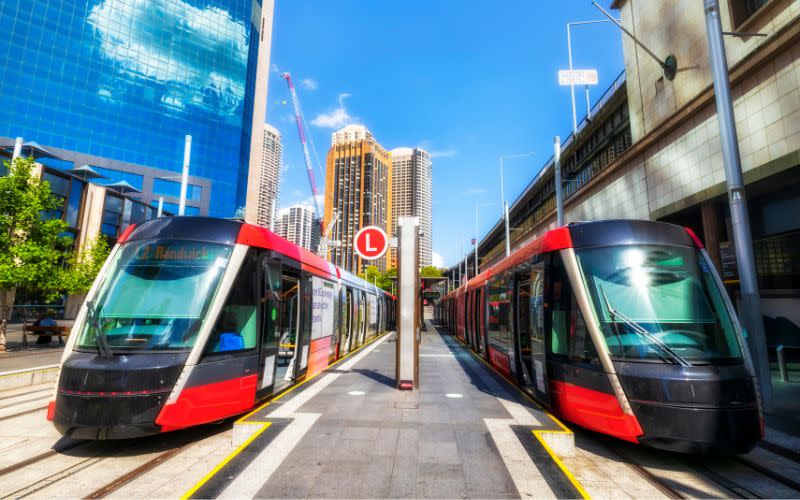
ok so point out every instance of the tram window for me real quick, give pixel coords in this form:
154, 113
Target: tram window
500, 290
237, 325
569, 334
536, 303
524, 299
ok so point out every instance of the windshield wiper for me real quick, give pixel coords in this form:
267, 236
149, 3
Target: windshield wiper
641, 331
93, 317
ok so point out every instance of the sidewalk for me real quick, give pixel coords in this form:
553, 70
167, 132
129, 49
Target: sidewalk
18, 357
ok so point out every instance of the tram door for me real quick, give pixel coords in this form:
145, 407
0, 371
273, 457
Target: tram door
270, 326
347, 322
289, 313
538, 370
522, 323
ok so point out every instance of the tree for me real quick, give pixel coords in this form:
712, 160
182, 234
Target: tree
384, 280
34, 253
430, 272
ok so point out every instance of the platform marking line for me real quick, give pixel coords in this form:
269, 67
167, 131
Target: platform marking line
281, 446
526, 476
263, 426
261, 468
537, 433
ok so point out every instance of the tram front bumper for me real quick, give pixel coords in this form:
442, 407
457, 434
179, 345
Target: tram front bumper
696, 430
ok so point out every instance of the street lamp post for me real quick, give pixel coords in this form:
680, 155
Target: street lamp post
503, 202
572, 86
187, 152
740, 220
476, 239
557, 181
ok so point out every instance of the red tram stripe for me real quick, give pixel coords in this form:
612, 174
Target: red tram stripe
593, 410
208, 403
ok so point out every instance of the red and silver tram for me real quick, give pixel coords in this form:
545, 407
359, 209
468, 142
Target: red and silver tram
193, 320
622, 327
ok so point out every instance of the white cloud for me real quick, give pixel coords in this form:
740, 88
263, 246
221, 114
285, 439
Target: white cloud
437, 260
445, 153
309, 84
335, 118
275, 69
201, 61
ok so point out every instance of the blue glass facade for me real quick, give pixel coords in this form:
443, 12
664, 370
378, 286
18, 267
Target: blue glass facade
127, 79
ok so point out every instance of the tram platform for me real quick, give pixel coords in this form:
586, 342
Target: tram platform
350, 434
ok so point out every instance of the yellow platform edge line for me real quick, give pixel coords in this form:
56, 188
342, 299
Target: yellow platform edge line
241, 420
234, 453
559, 463
537, 433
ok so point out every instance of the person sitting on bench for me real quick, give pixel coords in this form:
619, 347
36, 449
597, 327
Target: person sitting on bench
47, 319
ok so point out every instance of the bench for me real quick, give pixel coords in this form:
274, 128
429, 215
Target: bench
59, 331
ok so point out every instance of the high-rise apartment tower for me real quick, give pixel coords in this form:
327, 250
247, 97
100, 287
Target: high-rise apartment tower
299, 225
358, 187
268, 177
412, 191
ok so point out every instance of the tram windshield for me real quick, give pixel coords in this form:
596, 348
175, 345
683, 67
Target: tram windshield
659, 303
155, 296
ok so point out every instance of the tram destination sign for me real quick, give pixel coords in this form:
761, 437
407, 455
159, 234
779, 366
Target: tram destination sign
371, 242
577, 77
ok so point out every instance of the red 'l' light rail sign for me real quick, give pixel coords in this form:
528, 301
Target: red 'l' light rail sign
371, 243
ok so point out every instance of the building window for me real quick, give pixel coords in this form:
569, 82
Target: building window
742, 10
171, 188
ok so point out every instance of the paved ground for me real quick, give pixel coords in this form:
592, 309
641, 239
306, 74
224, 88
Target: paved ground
351, 434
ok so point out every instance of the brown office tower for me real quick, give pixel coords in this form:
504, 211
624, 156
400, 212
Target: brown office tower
358, 188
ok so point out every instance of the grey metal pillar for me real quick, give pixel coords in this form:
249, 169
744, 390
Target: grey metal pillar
557, 181
748, 279
187, 152
408, 304
160, 211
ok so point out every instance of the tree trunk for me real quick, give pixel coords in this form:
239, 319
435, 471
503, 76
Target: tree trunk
6, 304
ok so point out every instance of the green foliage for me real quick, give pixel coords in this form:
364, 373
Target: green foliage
430, 272
32, 249
383, 280
82, 267
34, 253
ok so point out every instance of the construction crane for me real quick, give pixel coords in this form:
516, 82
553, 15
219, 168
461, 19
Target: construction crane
298, 116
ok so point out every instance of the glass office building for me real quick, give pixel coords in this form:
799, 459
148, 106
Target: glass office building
117, 84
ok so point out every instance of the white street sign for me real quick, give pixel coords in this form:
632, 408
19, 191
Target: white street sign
577, 77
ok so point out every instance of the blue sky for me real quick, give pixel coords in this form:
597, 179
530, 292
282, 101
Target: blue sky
467, 80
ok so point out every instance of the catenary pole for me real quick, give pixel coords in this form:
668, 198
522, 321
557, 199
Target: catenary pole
187, 153
557, 182
750, 311
476, 239
504, 208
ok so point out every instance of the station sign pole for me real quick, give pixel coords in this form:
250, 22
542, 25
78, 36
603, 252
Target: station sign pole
740, 220
408, 304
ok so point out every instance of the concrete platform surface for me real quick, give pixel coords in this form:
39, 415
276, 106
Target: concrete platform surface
350, 434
